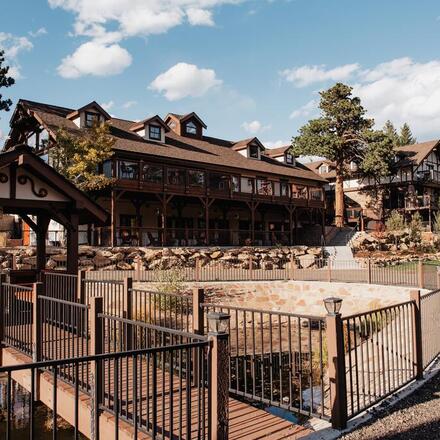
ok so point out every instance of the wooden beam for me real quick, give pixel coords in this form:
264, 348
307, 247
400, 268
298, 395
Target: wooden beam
29, 222
42, 225
113, 213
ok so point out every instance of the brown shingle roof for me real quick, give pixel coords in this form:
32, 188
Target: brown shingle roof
414, 154
276, 152
207, 150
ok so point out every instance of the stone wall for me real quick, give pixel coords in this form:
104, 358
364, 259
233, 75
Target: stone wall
304, 297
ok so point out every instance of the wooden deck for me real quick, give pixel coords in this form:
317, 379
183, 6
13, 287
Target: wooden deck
245, 421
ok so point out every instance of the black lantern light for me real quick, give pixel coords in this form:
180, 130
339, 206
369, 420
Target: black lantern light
333, 305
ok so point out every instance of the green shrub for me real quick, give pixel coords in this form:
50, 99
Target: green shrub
395, 221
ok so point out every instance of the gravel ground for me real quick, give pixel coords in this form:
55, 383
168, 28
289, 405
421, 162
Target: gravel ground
415, 417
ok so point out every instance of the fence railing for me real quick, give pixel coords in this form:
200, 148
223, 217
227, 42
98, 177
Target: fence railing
430, 313
277, 358
61, 285
379, 354
304, 268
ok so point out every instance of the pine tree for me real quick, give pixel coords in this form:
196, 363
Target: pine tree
406, 137
391, 132
5, 81
343, 135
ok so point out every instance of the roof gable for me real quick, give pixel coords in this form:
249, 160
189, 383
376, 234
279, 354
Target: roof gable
90, 106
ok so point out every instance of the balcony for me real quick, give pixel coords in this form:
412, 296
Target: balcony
183, 181
420, 202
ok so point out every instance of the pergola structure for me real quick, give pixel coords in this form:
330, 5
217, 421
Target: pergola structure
36, 192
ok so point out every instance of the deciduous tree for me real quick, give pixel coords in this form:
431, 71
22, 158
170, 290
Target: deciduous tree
79, 158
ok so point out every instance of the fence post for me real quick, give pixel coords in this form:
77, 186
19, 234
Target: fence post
81, 287
292, 265
138, 265
14, 262
2, 311
219, 422
329, 272
198, 312
336, 370
197, 271
37, 328
251, 268
420, 274
417, 333
369, 270
96, 347
128, 312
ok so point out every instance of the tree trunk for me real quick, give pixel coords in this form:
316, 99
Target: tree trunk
339, 201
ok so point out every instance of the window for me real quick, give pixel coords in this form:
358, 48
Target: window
264, 187
254, 151
353, 166
315, 194
323, 169
196, 178
284, 188
172, 125
107, 168
191, 128
290, 159
218, 182
235, 182
153, 173
91, 119
176, 176
128, 170
154, 132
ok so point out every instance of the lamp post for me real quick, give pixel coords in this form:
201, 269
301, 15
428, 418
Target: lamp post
336, 362
333, 305
218, 325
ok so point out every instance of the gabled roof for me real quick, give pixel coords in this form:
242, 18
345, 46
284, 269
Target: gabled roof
23, 157
314, 166
415, 154
88, 106
183, 118
241, 145
277, 152
139, 125
199, 151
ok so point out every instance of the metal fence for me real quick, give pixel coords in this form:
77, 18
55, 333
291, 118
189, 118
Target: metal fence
61, 285
111, 291
379, 354
17, 316
302, 268
430, 313
277, 358
152, 399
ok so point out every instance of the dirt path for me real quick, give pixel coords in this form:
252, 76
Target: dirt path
415, 417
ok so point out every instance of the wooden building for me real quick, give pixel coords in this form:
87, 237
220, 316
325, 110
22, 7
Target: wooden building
413, 186
176, 186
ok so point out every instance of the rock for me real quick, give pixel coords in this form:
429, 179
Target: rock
104, 253
306, 261
117, 257
216, 254
60, 258
51, 264
101, 261
122, 265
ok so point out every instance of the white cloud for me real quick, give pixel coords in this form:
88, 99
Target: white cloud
107, 106
110, 21
129, 104
96, 59
184, 80
306, 75
199, 17
13, 46
276, 144
38, 33
403, 90
305, 110
254, 127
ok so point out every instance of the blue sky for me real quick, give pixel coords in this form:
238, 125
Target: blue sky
247, 67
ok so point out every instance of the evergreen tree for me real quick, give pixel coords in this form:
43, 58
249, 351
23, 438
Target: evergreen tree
391, 132
406, 137
5, 81
343, 135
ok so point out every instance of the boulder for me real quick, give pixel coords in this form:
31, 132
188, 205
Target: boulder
101, 261
306, 261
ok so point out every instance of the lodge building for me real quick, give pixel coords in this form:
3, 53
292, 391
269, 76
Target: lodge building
176, 186
412, 186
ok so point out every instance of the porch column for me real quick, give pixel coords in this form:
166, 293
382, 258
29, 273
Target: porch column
207, 221
41, 234
72, 244
113, 218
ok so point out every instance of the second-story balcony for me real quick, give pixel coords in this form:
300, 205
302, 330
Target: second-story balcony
151, 177
414, 202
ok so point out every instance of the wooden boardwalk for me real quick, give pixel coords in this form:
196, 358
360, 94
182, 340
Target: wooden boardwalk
245, 421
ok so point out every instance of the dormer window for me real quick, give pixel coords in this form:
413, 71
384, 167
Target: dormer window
155, 132
191, 128
91, 119
290, 159
353, 166
254, 151
323, 169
